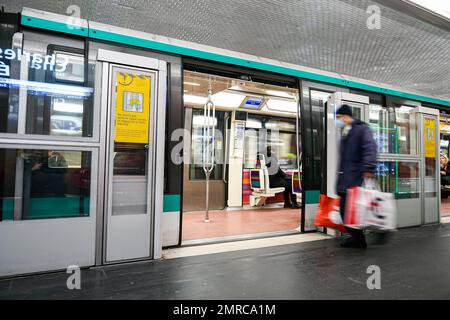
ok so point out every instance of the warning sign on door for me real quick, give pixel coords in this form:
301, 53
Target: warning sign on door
132, 108
430, 137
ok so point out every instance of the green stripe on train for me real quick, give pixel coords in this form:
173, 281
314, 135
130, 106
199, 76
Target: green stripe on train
50, 207
170, 48
312, 196
172, 203
70, 207
54, 26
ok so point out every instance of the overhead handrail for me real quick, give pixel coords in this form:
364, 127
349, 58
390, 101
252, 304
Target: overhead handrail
209, 128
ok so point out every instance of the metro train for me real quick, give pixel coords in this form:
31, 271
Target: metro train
115, 144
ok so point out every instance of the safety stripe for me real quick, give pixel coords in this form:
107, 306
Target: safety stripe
196, 53
171, 203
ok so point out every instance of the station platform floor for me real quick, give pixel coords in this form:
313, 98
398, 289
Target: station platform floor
414, 263
225, 223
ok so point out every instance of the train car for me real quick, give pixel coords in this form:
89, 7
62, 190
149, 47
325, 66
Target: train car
115, 144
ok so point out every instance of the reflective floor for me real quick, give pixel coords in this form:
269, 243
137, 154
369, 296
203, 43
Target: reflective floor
445, 207
225, 223
413, 264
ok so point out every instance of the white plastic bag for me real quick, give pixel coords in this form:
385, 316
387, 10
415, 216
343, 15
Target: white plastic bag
370, 208
381, 214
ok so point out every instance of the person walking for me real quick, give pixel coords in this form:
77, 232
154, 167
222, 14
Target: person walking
357, 161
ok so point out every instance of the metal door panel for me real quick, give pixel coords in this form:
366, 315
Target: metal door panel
129, 198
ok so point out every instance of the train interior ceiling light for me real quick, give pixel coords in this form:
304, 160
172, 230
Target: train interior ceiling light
238, 94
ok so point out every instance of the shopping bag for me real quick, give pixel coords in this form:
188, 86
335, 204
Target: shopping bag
369, 208
356, 207
328, 214
382, 212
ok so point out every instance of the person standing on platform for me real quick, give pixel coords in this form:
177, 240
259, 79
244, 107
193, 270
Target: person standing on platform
357, 161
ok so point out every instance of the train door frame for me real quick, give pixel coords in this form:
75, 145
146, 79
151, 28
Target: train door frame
310, 120
239, 73
413, 218
431, 195
108, 60
416, 208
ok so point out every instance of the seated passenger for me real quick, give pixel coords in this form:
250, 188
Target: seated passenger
445, 176
277, 178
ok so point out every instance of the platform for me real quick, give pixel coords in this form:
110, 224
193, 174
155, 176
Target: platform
414, 265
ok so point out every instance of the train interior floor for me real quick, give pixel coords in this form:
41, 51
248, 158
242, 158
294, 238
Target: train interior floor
413, 264
226, 223
445, 207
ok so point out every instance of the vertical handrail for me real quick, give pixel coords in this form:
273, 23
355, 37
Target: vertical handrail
227, 151
209, 110
297, 131
297, 144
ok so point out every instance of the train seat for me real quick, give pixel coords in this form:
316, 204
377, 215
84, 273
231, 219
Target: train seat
260, 185
296, 185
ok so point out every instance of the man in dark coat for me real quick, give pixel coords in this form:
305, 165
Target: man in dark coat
357, 161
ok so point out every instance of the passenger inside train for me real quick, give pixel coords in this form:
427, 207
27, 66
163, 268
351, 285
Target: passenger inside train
278, 178
444, 163
255, 183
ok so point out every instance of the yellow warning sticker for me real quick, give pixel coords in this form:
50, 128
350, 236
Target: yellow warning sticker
430, 137
132, 108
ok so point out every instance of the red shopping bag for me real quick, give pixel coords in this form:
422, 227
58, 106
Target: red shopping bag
369, 207
328, 214
353, 210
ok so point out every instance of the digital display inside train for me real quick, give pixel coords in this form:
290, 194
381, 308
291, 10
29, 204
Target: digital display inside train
253, 103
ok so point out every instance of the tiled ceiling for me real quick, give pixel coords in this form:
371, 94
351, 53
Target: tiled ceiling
329, 35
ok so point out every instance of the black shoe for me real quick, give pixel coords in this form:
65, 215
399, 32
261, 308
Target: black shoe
346, 242
295, 205
354, 243
287, 205
382, 237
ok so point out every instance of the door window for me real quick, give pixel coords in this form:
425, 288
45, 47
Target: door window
131, 109
395, 129
58, 99
279, 133
402, 178
44, 183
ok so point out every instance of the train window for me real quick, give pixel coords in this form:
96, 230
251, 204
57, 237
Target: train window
394, 129
74, 69
39, 184
402, 178
64, 107
444, 128
58, 99
279, 133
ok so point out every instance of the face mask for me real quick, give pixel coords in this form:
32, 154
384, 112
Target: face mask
340, 123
